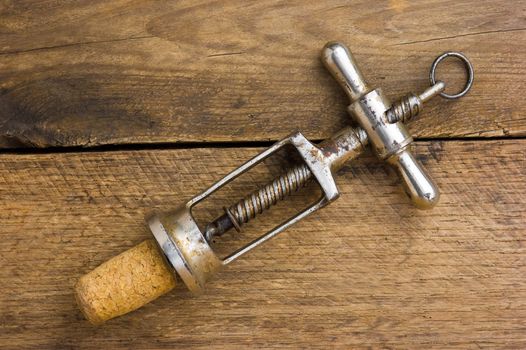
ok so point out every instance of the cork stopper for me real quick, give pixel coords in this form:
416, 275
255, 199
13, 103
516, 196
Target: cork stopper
124, 283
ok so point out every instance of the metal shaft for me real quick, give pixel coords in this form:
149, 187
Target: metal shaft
270, 194
260, 200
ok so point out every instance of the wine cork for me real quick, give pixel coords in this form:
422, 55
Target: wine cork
124, 283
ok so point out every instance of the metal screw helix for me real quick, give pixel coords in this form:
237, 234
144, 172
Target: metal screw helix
263, 198
411, 104
260, 200
405, 109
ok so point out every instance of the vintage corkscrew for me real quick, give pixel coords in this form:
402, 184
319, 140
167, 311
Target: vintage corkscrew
144, 272
381, 124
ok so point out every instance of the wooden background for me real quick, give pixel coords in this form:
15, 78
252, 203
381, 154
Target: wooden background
111, 109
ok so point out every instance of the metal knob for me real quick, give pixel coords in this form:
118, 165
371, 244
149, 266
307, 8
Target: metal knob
388, 137
418, 185
341, 64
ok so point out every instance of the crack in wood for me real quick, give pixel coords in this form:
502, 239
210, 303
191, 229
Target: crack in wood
44, 48
460, 36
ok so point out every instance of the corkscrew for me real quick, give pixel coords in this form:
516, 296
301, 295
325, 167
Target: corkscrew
188, 249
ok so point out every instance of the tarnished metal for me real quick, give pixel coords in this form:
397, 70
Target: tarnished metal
187, 249
390, 141
381, 124
184, 247
467, 65
338, 149
262, 199
411, 105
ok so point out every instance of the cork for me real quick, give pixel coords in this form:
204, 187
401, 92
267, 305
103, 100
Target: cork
124, 283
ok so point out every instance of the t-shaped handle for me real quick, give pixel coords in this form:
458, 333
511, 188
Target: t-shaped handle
389, 138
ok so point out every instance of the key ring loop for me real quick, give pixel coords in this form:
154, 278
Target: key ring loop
467, 65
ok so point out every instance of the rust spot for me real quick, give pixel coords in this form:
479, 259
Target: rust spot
330, 147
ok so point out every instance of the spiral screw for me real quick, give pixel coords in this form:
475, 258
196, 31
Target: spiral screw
411, 105
260, 200
265, 197
405, 109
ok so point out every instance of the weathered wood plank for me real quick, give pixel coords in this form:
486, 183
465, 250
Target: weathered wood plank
92, 72
368, 271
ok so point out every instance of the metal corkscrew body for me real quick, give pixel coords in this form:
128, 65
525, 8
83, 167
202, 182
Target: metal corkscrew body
380, 124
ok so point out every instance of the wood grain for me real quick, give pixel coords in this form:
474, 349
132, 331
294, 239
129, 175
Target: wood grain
368, 271
85, 73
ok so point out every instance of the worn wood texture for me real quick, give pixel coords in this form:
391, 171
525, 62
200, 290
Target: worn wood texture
96, 72
370, 270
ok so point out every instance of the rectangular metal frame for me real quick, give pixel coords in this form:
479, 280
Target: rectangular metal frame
313, 157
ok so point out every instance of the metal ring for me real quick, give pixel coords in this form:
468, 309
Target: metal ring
469, 69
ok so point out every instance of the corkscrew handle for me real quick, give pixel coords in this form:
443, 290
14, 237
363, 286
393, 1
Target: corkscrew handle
388, 137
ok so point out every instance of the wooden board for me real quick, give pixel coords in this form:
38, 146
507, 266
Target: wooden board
369, 270
87, 73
